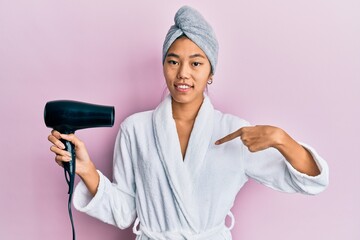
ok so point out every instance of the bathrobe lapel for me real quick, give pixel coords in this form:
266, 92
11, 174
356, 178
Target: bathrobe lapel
200, 138
181, 173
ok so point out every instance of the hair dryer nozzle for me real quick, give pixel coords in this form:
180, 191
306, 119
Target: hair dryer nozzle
67, 116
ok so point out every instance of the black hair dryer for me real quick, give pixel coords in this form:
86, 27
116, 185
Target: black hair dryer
67, 116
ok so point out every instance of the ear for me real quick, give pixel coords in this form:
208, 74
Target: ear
211, 75
210, 80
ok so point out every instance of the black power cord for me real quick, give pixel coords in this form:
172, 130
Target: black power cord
69, 171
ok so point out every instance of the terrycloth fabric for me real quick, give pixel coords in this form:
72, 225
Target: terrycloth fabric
182, 199
191, 23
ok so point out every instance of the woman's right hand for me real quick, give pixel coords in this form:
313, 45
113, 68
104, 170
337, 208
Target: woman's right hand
85, 168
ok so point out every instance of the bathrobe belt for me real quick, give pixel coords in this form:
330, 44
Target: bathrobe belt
182, 235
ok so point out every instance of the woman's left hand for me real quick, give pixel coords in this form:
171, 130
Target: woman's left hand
257, 138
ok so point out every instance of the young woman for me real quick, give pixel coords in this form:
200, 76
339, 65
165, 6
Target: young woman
178, 168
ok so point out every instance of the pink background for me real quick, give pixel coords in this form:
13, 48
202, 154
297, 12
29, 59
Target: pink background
294, 64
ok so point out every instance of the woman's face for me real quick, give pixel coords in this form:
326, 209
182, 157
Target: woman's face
186, 70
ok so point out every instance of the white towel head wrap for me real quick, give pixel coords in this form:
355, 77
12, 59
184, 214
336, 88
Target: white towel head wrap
192, 24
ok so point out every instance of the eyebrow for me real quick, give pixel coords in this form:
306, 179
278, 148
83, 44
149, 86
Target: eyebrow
197, 55
172, 55
191, 56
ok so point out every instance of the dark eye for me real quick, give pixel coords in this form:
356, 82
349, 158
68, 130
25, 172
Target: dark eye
196, 64
172, 62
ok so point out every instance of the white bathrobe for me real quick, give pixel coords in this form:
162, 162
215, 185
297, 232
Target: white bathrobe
175, 198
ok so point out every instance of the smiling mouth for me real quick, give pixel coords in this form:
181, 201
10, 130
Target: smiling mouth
183, 87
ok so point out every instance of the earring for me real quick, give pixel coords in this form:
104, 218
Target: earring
210, 81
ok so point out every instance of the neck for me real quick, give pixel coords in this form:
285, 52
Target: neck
186, 111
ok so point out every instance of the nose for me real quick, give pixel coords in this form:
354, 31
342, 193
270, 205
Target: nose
184, 72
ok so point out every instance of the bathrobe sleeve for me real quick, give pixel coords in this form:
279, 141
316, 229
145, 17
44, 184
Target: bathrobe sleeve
270, 168
114, 202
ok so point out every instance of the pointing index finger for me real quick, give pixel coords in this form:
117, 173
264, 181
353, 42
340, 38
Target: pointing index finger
229, 137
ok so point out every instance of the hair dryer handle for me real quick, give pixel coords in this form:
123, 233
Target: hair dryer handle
70, 167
